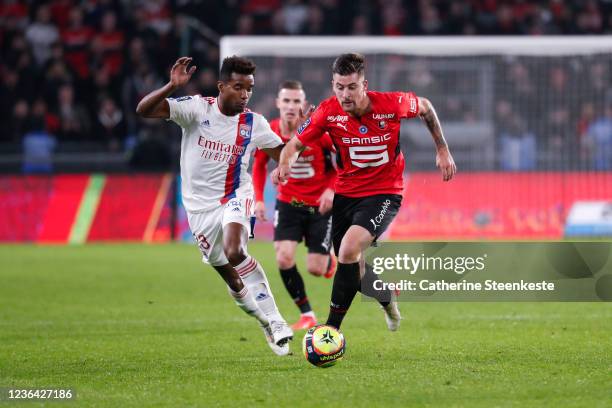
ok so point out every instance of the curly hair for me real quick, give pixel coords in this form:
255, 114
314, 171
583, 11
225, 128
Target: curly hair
237, 65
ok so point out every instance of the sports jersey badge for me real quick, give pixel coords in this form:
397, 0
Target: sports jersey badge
245, 130
382, 124
363, 129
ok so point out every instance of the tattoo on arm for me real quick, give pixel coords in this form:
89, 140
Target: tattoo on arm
435, 128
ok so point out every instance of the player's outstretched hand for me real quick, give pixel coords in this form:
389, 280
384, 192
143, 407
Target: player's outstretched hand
326, 201
260, 211
446, 163
179, 75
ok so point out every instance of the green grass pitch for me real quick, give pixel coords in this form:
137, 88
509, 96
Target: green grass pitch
131, 325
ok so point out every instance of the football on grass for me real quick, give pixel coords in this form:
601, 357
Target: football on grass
323, 346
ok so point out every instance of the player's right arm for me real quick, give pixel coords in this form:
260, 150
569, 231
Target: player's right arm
155, 105
288, 156
310, 130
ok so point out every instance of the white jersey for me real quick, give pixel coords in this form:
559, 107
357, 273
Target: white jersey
216, 150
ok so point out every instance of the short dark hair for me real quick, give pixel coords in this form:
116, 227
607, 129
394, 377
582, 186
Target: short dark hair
236, 65
291, 84
347, 64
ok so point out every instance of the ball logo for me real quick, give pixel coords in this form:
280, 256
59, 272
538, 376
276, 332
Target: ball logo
323, 346
363, 129
328, 338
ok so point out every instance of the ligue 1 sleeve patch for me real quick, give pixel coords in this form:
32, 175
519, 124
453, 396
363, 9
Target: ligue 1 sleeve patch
303, 126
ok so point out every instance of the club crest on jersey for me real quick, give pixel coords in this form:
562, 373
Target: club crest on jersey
304, 126
363, 129
382, 124
244, 130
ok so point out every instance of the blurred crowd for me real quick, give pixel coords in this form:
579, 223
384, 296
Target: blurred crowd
418, 17
73, 71
561, 109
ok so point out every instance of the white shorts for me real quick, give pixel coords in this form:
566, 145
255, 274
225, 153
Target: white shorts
207, 227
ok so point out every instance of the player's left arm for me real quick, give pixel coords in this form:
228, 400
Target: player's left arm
260, 172
444, 159
274, 152
266, 140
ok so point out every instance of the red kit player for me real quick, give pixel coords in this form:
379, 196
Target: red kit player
364, 126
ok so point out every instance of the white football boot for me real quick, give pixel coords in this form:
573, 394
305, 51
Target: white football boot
392, 315
281, 332
281, 350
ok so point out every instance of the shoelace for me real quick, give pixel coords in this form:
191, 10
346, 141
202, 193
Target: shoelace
276, 327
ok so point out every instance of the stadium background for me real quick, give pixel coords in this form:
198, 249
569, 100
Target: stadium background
532, 135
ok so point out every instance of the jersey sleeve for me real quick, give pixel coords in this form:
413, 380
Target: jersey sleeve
185, 109
313, 128
408, 104
260, 172
327, 144
263, 136
328, 148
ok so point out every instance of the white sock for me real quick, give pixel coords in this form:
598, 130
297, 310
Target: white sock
254, 277
245, 301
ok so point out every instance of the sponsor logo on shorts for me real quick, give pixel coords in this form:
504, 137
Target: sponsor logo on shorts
377, 221
326, 244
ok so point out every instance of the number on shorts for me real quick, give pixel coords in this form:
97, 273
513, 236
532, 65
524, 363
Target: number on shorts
203, 242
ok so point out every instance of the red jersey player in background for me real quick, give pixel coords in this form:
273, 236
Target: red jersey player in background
364, 126
303, 206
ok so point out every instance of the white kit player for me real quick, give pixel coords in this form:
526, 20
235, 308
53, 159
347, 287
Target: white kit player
219, 136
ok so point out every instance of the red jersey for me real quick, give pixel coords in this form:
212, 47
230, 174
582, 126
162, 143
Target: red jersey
368, 157
310, 175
